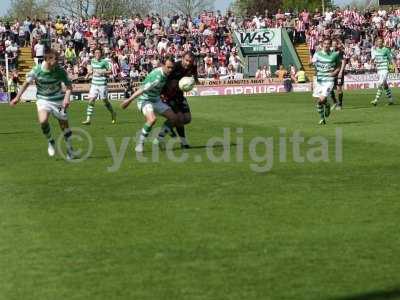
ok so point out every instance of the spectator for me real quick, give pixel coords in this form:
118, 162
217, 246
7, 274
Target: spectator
281, 73
301, 76
59, 26
39, 52
235, 61
222, 71
231, 72
263, 73
13, 85
115, 67
292, 72
70, 54
27, 30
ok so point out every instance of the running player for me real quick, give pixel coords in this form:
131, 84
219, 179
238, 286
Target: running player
149, 102
327, 66
382, 57
339, 80
99, 70
175, 98
49, 77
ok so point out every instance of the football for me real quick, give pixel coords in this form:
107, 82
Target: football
186, 84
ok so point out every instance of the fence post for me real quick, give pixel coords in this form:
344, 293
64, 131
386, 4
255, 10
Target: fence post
7, 76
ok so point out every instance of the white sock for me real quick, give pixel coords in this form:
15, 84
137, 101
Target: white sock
142, 138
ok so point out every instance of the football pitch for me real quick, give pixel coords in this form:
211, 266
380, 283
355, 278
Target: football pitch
258, 218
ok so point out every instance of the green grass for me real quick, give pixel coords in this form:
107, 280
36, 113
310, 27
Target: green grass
206, 230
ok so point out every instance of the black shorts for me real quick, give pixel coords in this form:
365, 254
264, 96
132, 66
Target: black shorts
179, 105
339, 81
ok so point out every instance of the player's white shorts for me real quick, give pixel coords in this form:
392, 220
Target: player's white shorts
158, 107
98, 92
322, 89
383, 75
54, 107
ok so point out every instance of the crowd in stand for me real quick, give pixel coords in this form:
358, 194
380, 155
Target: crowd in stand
356, 30
134, 46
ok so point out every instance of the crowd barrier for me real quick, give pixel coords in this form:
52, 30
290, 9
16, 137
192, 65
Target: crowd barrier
232, 87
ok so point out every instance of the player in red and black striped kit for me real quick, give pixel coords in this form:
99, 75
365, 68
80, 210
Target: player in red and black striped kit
174, 97
339, 80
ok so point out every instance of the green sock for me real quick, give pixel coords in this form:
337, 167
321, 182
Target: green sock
389, 93
321, 110
145, 132
46, 131
378, 94
90, 111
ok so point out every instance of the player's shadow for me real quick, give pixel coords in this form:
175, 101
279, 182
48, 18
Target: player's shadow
216, 146
349, 122
127, 122
359, 107
391, 294
15, 132
101, 157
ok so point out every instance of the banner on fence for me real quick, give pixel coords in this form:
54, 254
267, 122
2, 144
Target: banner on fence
202, 90
231, 87
368, 81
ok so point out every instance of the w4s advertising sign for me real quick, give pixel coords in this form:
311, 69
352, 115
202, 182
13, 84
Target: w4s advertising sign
260, 40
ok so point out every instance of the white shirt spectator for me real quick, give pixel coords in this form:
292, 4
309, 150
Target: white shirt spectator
77, 36
328, 16
134, 74
382, 13
162, 45
222, 70
207, 32
234, 61
39, 50
256, 22
43, 28
121, 43
210, 71
11, 48
377, 20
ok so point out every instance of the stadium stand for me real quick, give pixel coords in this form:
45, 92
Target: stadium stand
134, 46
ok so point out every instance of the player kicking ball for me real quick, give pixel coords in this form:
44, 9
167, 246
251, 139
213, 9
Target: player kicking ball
382, 57
49, 77
99, 70
149, 101
175, 98
327, 66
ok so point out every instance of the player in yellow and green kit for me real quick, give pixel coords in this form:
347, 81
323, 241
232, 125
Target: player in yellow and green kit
100, 68
149, 101
382, 57
327, 65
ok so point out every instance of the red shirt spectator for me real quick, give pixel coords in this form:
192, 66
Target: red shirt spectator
94, 22
147, 23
